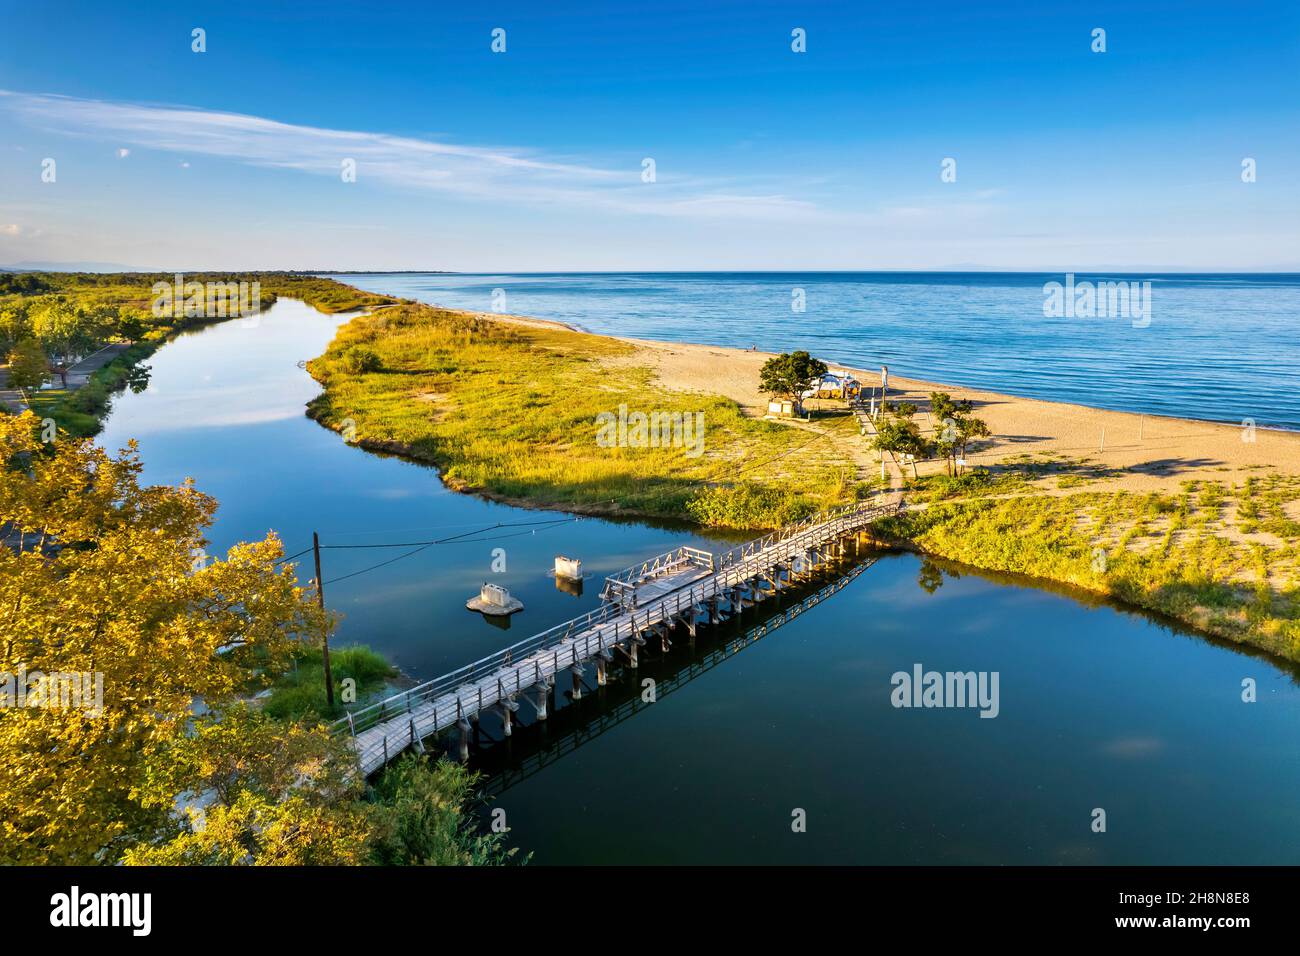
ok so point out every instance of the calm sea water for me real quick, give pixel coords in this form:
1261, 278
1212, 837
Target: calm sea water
1219, 347
1099, 708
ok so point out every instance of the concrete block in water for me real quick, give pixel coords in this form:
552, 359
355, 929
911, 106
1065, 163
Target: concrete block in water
568, 568
495, 600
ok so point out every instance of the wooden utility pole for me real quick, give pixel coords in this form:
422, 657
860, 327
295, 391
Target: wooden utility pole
325, 634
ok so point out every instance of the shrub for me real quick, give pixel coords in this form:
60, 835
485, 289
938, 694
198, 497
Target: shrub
748, 505
359, 360
419, 819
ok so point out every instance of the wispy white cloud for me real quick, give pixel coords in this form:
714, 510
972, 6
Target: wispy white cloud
511, 174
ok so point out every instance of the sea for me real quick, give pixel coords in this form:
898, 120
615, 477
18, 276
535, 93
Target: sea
1219, 347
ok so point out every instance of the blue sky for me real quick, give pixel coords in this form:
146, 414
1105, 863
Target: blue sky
764, 158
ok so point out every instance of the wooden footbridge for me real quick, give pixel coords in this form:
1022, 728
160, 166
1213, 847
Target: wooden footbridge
687, 587
588, 728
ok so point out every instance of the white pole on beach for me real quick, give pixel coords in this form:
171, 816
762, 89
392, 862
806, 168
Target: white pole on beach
1103, 438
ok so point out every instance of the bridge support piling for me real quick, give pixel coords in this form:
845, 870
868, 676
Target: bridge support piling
507, 707
464, 727
541, 699
576, 673
600, 671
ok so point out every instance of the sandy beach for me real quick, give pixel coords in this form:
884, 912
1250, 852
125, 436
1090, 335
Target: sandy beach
1133, 452
1152, 452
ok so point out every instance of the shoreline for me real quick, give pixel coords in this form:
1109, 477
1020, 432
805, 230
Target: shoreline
872, 374
1195, 520
1209, 449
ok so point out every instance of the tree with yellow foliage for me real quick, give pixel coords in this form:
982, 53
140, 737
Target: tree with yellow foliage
103, 580
258, 791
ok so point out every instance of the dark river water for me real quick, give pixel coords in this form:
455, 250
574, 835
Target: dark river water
784, 747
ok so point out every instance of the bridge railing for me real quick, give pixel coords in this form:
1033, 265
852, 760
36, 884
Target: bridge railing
503, 780
835, 517
364, 717
621, 587
585, 640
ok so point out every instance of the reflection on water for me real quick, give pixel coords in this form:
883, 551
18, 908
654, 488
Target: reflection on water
1099, 707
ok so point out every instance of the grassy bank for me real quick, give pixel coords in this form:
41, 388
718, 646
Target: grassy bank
124, 303
299, 693
513, 412
1221, 558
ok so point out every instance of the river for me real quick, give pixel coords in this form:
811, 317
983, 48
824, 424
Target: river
784, 749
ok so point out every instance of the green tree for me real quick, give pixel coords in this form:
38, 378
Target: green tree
27, 365
62, 331
900, 435
14, 327
954, 428
969, 427
258, 831
269, 793
358, 360
130, 325
790, 374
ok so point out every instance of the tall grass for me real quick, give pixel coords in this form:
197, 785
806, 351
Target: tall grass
300, 692
1194, 570
513, 411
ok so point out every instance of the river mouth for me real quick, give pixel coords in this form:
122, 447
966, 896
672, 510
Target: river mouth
1098, 708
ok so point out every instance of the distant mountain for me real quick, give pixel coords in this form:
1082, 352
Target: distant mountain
71, 267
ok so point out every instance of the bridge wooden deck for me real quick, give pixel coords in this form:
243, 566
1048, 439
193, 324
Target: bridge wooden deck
589, 729
650, 601
659, 587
